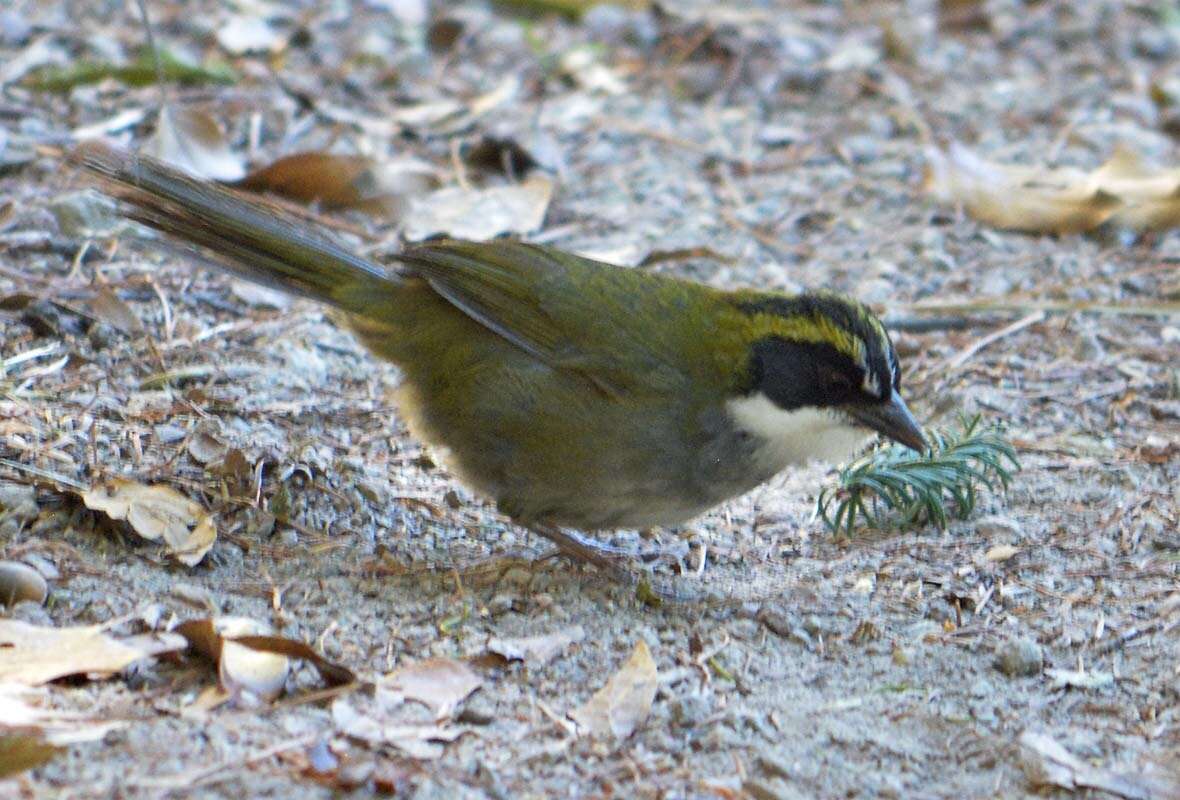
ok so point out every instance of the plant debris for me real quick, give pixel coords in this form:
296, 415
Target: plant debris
623, 704
1124, 192
891, 487
32, 654
157, 513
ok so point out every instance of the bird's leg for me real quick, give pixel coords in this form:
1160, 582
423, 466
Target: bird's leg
606, 557
614, 561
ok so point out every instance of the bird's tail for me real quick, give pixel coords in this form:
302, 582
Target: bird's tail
244, 234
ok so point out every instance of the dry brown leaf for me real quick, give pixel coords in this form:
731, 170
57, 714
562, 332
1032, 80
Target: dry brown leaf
438, 683
623, 704
963, 15
31, 654
537, 651
108, 307
192, 140
480, 214
157, 513
1122, 191
341, 181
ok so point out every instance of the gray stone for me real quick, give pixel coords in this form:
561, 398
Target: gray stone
1019, 658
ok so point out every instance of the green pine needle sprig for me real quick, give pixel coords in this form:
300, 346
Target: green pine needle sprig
891, 487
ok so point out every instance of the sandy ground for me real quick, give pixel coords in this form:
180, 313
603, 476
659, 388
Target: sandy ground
788, 139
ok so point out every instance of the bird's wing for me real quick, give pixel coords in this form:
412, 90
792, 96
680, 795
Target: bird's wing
546, 302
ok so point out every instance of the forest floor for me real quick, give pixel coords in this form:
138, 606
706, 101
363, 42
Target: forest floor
775, 145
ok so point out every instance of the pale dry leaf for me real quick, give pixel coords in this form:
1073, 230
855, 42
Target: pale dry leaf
584, 66
31, 654
157, 513
624, 703
1047, 763
1001, 552
422, 741
480, 214
1150, 195
205, 448
259, 296
1079, 679
448, 116
1018, 198
537, 651
239, 34
34, 708
380, 188
1123, 191
192, 140
440, 684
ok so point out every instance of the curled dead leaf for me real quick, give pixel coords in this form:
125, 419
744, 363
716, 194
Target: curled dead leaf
241, 670
251, 659
157, 513
624, 703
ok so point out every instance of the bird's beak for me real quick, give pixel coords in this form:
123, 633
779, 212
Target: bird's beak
891, 419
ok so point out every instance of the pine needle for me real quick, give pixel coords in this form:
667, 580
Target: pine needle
890, 487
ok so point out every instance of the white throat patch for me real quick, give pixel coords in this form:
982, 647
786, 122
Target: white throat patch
796, 437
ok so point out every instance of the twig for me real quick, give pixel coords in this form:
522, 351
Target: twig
1144, 310
1129, 635
968, 353
931, 324
46, 474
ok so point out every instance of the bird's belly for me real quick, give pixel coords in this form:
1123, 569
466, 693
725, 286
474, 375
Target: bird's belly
547, 445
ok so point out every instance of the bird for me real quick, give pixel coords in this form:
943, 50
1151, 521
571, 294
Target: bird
576, 395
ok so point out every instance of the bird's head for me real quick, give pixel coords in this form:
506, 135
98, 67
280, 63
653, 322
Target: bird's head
822, 373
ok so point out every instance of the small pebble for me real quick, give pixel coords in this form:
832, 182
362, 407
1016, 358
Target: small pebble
1019, 658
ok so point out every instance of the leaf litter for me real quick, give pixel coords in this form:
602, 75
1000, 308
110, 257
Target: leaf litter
624, 703
1124, 191
157, 513
34, 654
